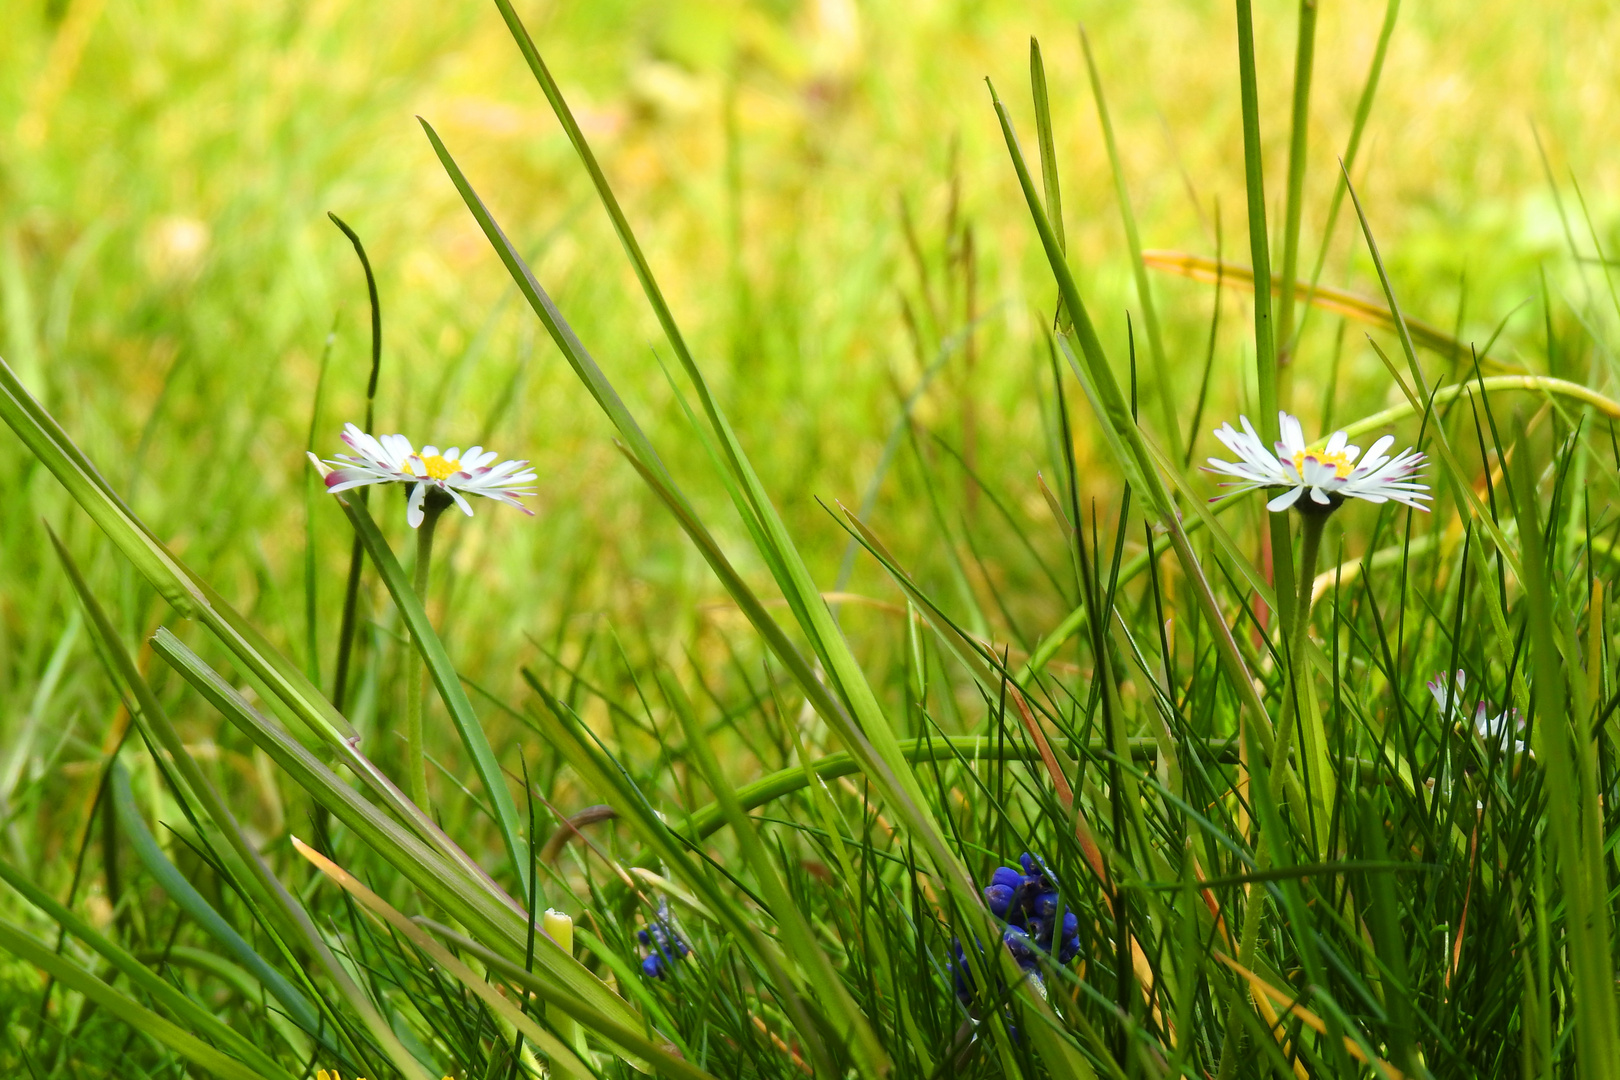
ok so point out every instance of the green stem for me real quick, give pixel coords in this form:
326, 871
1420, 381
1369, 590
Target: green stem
415, 672
1310, 544
1304, 57
1296, 628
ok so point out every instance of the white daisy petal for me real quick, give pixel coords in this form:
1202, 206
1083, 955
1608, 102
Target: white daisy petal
1332, 473
414, 512
1293, 437
392, 459
1285, 500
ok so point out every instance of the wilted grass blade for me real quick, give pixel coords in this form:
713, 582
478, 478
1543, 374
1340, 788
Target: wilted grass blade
1343, 302
1289, 1004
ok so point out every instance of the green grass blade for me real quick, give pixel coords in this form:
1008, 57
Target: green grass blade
496, 923
1126, 440
1043, 134
1364, 105
1420, 392
1265, 331
426, 868
26, 948
1293, 211
272, 892
192, 1014
607, 779
851, 1026
659, 1054
351, 588
184, 591
192, 902
1562, 738
561, 1058
1254, 184
448, 683
1157, 360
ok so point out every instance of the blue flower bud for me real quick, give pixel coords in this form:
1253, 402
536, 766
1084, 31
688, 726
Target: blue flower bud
1000, 898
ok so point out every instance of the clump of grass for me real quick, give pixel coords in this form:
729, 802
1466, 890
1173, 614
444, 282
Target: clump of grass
1260, 843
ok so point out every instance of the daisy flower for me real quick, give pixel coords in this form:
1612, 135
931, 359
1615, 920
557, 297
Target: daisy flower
449, 475
1331, 474
1491, 730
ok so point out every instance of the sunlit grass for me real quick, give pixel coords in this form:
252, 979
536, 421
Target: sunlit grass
826, 203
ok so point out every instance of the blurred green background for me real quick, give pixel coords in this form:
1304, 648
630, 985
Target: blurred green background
170, 279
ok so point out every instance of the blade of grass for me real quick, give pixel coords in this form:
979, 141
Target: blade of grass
272, 892
559, 1055
351, 589
870, 731
1127, 442
19, 944
1048, 149
1342, 302
1299, 129
192, 902
448, 684
184, 591
823, 983
1265, 331
607, 779
196, 1018
438, 879
1144, 288
1358, 126
1420, 392
1564, 739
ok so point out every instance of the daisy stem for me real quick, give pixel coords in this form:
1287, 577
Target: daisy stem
415, 672
1297, 705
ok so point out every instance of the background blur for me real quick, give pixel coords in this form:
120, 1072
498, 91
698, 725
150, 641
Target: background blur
170, 279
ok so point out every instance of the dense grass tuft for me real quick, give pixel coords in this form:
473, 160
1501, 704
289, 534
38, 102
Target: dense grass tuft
844, 715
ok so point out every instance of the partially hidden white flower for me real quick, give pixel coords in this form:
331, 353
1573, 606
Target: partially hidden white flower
1331, 474
391, 459
1491, 730
1448, 694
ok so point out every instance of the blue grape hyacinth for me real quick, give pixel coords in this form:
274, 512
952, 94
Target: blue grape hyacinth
666, 946
1028, 901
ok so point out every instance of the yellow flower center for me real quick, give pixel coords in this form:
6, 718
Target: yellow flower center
1342, 465
440, 468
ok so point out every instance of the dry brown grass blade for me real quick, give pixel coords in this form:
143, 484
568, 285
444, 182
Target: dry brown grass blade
1265, 993
1065, 793
1338, 301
